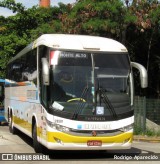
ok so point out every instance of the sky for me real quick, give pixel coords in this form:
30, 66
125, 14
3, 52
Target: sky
29, 3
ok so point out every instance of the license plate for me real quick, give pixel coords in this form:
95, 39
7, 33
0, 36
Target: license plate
94, 143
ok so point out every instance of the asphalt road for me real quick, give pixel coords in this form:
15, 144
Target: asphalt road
20, 143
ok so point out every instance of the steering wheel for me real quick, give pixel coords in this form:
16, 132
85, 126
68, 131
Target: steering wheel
76, 99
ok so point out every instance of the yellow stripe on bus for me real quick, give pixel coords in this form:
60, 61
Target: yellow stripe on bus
24, 124
66, 138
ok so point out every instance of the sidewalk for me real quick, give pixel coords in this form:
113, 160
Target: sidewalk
146, 138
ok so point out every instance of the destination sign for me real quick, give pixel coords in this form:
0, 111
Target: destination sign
73, 55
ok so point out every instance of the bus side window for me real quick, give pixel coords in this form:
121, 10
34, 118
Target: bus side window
25, 68
15, 74
29, 70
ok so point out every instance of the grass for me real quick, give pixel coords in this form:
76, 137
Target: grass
148, 132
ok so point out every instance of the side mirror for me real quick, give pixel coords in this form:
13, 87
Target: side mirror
143, 74
45, 71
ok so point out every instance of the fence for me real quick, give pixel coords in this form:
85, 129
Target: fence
146, 108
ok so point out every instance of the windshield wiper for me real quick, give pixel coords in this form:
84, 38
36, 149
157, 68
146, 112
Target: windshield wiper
81, 103
104, 97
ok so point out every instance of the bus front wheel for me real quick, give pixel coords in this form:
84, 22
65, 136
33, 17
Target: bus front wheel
37, 146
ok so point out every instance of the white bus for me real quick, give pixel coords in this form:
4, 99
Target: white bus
72, 92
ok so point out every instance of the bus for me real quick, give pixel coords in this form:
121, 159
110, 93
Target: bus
2, 117
72, 92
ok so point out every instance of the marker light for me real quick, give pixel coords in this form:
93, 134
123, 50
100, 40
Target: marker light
54, 57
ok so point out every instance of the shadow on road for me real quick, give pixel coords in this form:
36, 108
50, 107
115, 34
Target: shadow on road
25, 138
91, 155
4, 124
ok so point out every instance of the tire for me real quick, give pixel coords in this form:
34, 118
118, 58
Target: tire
36, 145
12, 129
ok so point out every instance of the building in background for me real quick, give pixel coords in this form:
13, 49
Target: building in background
44, 3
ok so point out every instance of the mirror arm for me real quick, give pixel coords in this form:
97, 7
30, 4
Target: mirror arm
143, 74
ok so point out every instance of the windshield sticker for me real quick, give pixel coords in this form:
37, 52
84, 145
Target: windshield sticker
99, 110
73, 55
57, 106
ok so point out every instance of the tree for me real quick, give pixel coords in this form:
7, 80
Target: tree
96, 17
23, 28
143, 38
12, 5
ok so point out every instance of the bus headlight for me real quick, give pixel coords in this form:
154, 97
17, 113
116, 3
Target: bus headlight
50, 124
57, 126
62, 128
126, 128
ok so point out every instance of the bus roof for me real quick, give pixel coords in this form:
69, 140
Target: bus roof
74, 42
79, 42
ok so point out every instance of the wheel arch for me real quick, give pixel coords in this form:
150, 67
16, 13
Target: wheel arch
34, 121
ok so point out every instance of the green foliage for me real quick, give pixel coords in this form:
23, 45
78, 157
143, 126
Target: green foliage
9, 45
138, 130
23, 28
12, 5
96, 17
148, 132
45, 29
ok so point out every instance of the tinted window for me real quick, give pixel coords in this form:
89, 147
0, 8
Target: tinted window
24, 68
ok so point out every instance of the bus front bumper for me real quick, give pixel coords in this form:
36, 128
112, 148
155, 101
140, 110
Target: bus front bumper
62, 141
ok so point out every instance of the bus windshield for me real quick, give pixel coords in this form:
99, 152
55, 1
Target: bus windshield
84, 84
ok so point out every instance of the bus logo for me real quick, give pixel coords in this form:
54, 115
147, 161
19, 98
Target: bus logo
94, 133
79, 126
6, 157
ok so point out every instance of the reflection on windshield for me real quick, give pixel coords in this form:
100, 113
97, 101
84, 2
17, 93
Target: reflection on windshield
112, 72
117, 84
72, 80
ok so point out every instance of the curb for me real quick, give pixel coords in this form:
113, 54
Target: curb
147, 139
